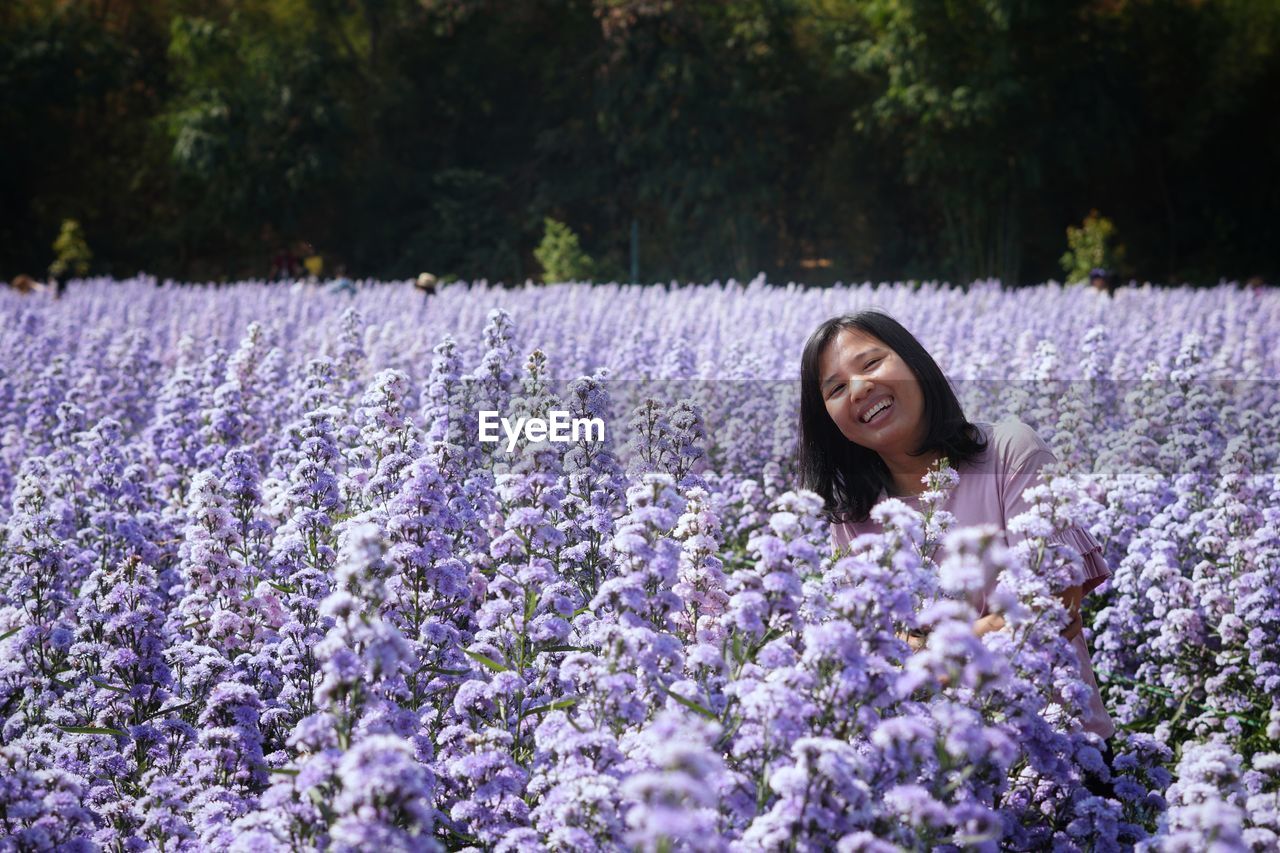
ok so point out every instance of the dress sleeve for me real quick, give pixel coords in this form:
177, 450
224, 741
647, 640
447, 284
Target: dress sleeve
1024, 472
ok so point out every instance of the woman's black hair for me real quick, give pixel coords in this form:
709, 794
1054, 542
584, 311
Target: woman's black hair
849, 477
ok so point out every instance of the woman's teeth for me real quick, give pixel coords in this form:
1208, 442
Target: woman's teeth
874, 413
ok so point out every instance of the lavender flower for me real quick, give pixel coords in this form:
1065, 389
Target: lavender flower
268, 592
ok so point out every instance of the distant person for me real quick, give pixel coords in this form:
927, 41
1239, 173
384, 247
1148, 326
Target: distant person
1101, 281
23, 283
283, 265
342, 284
426, 283
314, 265
1255, 284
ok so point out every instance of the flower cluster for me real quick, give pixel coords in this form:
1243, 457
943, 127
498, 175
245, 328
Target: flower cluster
262, 588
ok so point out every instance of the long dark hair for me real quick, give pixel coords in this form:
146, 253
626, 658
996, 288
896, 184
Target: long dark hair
849, 477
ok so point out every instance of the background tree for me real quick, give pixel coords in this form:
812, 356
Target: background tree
1091, 248
71, 251
561, 256
810, 139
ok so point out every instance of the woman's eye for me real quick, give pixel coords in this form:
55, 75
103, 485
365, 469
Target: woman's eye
836, 389
875, 361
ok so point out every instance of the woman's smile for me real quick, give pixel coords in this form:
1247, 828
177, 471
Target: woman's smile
879, 411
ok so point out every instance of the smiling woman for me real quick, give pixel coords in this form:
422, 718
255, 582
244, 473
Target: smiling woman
851, 366
876, 412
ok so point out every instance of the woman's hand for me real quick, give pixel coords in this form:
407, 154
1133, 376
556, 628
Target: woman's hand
1071, 600
987, 624
917, 642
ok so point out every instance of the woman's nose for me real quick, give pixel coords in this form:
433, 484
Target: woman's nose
858, 389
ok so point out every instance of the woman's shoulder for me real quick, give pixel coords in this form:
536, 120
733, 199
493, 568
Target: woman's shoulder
1013, 442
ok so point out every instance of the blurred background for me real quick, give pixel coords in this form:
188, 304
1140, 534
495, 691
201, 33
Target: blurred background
813, 140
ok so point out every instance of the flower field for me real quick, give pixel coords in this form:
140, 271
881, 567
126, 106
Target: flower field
262, 588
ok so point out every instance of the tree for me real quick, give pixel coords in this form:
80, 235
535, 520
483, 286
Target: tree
702, 104
969, 92
1090, 247
561, 257
71, 252
259, 127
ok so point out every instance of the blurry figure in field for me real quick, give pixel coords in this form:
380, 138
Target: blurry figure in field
1101, 281
342, 284
24, 283
1255, 284
284, 265
314, 265
426, 283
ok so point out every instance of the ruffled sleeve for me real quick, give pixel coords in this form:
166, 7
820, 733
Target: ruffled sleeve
1023, 455
1090, 550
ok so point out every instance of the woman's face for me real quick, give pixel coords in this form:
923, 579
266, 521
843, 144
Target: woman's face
858, 374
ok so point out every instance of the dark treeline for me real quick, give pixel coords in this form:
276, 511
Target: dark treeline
811, 139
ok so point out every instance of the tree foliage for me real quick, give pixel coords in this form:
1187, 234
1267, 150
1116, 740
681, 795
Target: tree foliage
1091, 248
806, 138
561, 255
71, 253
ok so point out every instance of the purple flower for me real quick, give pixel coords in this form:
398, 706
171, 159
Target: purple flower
385, 798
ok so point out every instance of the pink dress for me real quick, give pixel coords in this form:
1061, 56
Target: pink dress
990, 492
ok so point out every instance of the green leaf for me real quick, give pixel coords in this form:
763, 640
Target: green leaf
439, 670
530, 604
283, 771
487, 661
112, 687
735, 723
553, 706
285, 588
92, 730
559, 648
178, 707
7, 634
1182, 707
690, 704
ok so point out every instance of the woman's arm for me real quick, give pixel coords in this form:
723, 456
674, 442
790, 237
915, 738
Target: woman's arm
1070, 599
